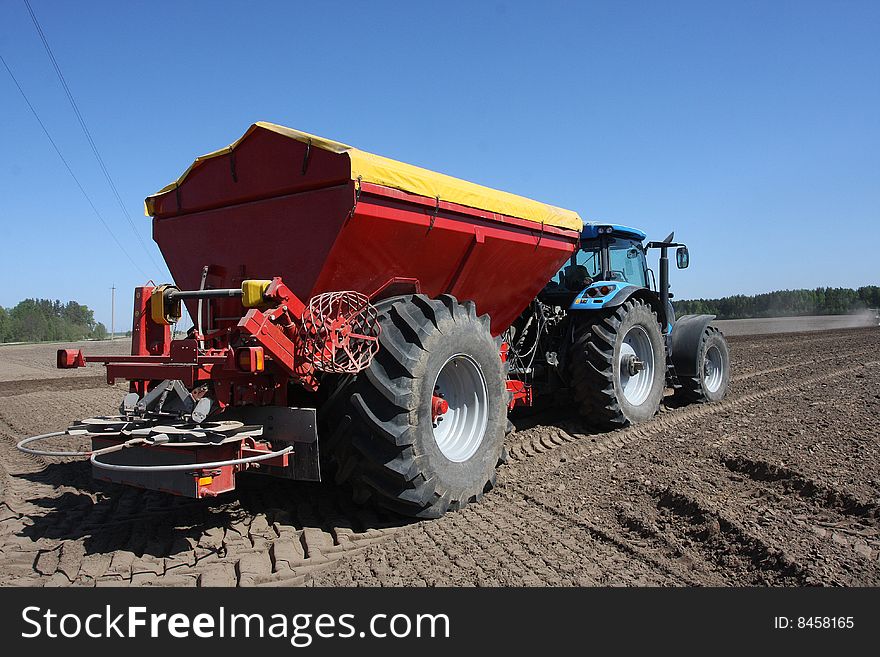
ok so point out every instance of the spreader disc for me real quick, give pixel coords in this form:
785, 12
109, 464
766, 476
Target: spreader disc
205, 433
100, 425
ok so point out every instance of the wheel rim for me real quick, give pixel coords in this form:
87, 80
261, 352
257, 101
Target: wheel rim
713, 370
636, 365
460, 430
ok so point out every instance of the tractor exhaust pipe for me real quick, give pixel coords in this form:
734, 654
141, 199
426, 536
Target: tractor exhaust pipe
664, 279
664, 269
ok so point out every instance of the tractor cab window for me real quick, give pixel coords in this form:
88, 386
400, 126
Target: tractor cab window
591, 259
582, 269
627, 262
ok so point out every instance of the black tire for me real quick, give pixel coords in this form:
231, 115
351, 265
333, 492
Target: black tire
381, 432
699, 389
594, 366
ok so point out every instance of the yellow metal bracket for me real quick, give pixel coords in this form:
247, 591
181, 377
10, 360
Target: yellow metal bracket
252, 293
162, 310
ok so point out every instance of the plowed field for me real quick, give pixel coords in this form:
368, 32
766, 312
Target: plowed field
777, 485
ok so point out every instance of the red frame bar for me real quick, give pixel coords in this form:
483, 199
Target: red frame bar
211, 359
522, 393
188, 373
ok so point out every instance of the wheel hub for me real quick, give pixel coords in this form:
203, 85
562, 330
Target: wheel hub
439, 407
634, 365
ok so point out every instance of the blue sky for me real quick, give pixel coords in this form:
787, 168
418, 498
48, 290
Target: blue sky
751, 128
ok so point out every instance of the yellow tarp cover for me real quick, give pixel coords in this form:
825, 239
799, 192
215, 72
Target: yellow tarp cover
415, 180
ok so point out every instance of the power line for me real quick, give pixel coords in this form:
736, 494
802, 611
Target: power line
69, 170
88, 134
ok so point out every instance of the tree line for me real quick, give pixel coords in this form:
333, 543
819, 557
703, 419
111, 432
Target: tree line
785, 303
36, 320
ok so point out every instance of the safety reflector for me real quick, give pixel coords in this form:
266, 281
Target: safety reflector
250, 359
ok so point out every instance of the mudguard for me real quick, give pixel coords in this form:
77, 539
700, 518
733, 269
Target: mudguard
619, 293
685, 342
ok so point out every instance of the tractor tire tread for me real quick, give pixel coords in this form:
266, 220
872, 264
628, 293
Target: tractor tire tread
591, 367
374, 435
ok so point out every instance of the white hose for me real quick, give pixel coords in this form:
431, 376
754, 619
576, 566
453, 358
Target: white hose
21, 446
93, 455
186, 466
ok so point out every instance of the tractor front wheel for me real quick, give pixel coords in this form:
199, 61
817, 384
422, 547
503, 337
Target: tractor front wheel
617, 366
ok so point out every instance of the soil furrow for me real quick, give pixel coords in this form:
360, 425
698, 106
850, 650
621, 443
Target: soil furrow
777, 485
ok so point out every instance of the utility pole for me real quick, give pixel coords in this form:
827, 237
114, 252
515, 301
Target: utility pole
113, 311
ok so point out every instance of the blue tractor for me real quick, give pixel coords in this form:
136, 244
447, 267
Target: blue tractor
604, 333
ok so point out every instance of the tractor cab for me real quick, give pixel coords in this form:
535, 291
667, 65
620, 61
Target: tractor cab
613, 254
611, 266
610, 258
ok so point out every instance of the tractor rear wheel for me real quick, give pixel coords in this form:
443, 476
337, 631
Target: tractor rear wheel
713, 377
617, 366
421, 430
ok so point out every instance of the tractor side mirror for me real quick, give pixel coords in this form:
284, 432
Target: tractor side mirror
682, 257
